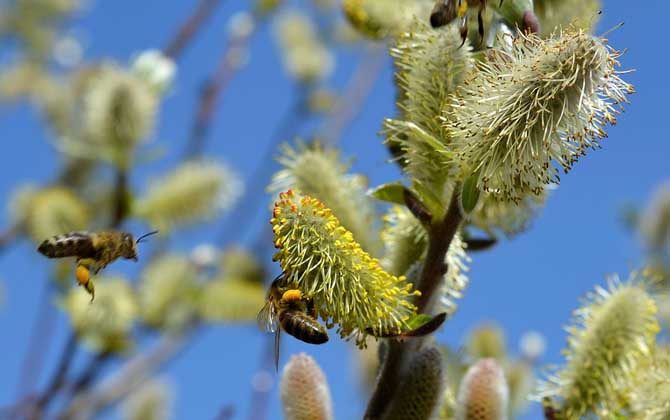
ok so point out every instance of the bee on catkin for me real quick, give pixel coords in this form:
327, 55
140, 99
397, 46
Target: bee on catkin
93, 251
289, 310
447, 11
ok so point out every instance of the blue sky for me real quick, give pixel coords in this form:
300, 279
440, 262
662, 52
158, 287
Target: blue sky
532, 282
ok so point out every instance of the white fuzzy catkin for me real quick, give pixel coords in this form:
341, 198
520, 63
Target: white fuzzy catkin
530, 112
305, 394
483, 393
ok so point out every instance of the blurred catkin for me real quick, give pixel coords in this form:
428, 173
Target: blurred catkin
104, 325
525, 114
304, 55
193, 192
455, 280
405, 240
48, 212
520, 380
319, 172
654, 222
238, 263
421, 387
557, 14
119, 112
650, 387
614, 331
483, 393
497, 217
305, 394
151, 401
487, 341
381, 18
322, 259
155, 69
167, 292
231, 300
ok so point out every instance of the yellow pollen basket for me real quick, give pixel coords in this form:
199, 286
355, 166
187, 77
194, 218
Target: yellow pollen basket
292, 295
462, 8
82, 274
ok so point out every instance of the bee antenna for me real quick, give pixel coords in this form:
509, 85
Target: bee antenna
145, 235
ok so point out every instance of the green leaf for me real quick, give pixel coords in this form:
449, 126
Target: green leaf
470, 194
429, 199
393, 192
418, 320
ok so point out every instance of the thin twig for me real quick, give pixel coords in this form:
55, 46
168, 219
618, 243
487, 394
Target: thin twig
58, 379
260, 398
190, 27
246, 209
356, 93
128, 378
213, 88
398, 355
40, 336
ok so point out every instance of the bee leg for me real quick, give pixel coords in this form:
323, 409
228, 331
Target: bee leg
480, 22
83, 276
277, 349
310, 308
464, 31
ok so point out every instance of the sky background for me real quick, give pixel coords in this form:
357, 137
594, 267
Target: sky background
532, 282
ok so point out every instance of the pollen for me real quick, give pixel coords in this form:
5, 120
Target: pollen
82, 274
292, 295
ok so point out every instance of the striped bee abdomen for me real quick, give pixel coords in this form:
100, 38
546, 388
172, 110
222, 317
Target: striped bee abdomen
303, 327
73, 244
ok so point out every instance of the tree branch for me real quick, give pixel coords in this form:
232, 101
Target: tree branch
397, 357
190, 27
212, 90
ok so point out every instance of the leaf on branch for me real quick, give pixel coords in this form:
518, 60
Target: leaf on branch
392, 192
470, 194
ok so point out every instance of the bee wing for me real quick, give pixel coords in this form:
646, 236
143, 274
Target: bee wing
267, 318
72, 244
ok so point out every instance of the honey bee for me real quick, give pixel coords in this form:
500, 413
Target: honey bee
446, 11
93, 250
289, 310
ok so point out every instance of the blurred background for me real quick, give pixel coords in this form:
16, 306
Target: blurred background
529, 283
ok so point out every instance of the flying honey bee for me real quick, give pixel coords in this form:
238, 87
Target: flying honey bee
93, 250
289, 310
446, 11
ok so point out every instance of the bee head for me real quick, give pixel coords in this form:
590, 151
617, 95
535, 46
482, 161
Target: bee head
129, 247
130, 244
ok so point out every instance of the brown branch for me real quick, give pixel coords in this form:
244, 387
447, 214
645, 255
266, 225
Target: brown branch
357, 91
434, 268
241, 217
213, 88
58, 379
126, 379
190, 27
40, 336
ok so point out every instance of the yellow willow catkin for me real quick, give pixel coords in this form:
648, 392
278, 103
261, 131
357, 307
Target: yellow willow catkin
616, 329
347, 285
304, 391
